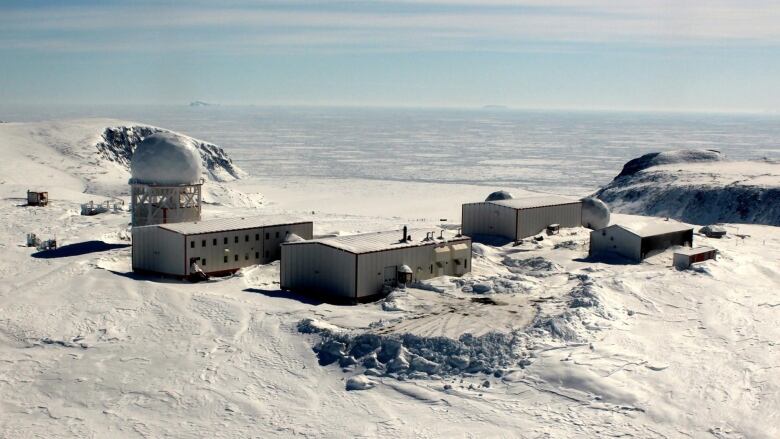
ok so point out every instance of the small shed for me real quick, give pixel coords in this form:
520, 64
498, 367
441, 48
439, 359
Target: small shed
640, 237
686, 257
215, 247
357, 268
37, 198
519, 218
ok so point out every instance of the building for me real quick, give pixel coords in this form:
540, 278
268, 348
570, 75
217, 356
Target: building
686, 257
639, 238
358, 267
37, 198
166, 181
518, 218
218, 246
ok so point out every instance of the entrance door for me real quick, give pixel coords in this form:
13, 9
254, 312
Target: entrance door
391, 272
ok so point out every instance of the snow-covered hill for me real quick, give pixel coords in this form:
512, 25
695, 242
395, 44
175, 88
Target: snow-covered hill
697, 186
92, 156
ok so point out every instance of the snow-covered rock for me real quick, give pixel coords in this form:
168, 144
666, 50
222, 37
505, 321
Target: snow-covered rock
119, 143
697, 187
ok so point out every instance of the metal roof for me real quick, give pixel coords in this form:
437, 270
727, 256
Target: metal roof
228, 224
535, 201
694, 251
379, 241
646, 227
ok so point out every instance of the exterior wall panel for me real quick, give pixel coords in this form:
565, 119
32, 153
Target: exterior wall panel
488, 219
616, 240
532, 221
159, 250
317, 268
422, 260
275, 237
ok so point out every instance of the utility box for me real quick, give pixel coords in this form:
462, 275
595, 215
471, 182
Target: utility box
37, 198
683, 259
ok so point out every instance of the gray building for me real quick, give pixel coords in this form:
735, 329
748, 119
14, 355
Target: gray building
218, 246
358, 267
638, 238
519, 218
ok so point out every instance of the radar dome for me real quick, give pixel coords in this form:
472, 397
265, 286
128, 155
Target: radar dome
166, 159
499, 195
292, 237
595, 213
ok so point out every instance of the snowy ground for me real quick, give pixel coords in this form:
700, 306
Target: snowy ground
89, 349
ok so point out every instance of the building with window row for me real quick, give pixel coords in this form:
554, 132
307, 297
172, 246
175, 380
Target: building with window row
217, 246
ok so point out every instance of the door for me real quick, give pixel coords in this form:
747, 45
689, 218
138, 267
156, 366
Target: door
391, 272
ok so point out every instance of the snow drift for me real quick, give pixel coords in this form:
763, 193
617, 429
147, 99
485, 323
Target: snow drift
697, 186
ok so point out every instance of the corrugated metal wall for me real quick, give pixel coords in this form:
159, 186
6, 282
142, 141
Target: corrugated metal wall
159, 250
215, 255
535, 220
317, 268
422, 261
488, 219
615, 240
274, 236
215, 252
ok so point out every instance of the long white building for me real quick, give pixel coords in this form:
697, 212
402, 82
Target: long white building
518, 218
358, 267
218, 246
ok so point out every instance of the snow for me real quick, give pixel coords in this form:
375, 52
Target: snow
588, 349
700, 191
165, 159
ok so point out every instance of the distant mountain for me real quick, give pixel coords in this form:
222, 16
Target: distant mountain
495, 107
202, 104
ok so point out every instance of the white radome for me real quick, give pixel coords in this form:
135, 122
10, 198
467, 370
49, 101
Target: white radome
595, 213
499, 195
166, 159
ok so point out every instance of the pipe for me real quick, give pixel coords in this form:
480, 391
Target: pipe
404, 237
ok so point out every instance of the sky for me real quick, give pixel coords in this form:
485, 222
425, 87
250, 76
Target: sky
678, 55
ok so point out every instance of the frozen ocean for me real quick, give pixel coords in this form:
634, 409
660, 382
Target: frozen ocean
565, 152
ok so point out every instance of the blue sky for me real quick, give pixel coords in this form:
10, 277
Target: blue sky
715, 55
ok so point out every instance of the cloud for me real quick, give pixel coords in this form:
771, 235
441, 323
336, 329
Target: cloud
398, 25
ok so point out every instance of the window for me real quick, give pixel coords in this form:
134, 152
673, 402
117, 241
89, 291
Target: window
214, 242
235, 258
224, 241
246, 238
257, 255
257, 236
192, 244
203, 243
431, 268
224, 259
267, 235
277, 234
236, 239
267, 253
246, 256
203, 262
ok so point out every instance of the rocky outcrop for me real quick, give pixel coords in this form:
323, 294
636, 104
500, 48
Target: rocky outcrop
119, 143
701, 188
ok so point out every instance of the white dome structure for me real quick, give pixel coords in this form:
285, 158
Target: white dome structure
165, 186
292, 237
166, 159
595, 213
499, 195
